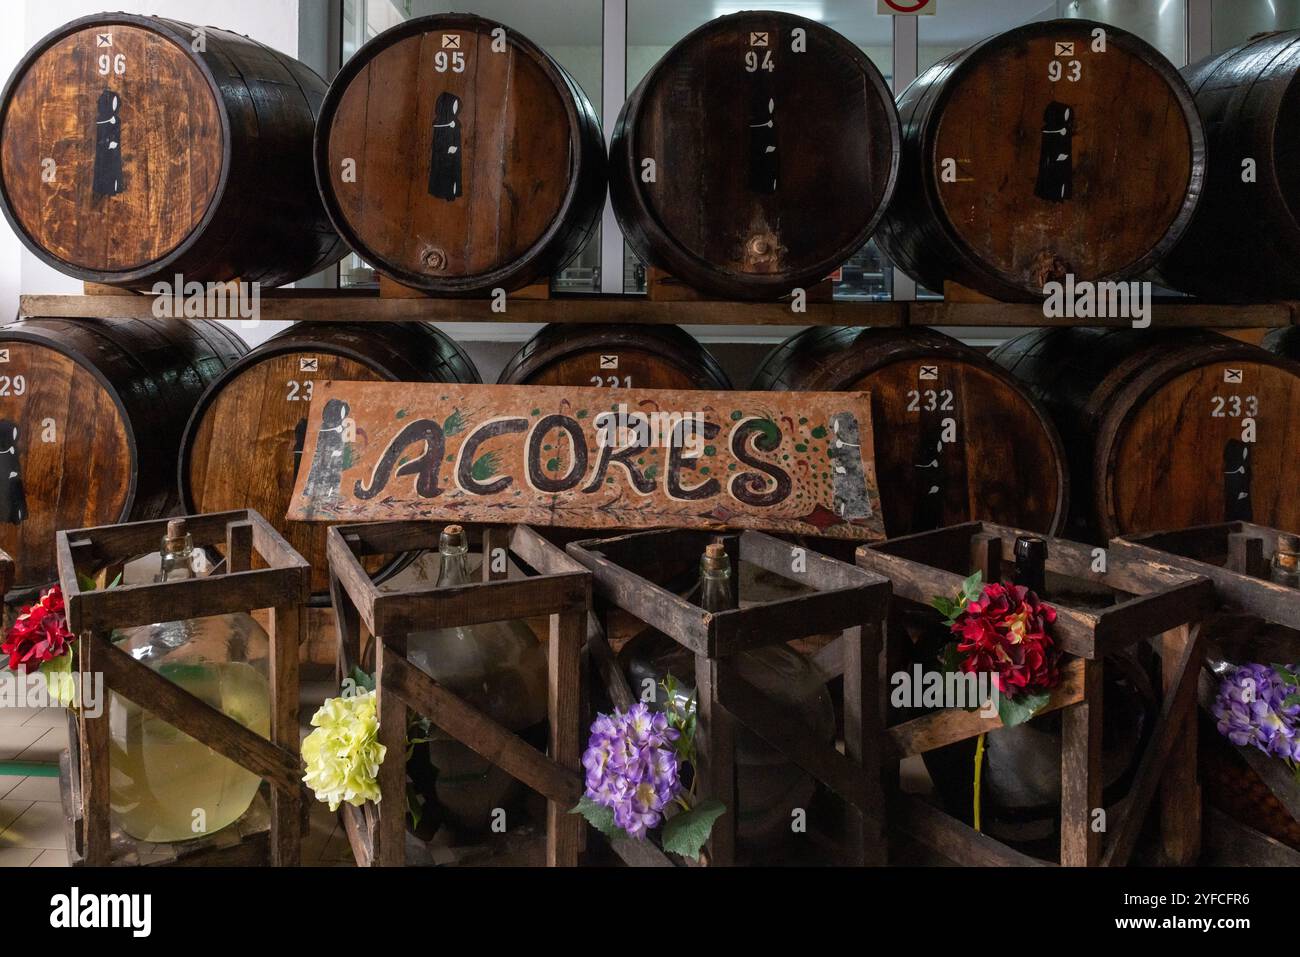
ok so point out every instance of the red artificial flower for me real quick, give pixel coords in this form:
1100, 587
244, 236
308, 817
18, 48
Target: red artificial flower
1005, 634
40, 634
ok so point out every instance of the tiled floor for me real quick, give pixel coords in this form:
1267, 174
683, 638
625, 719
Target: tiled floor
31, 817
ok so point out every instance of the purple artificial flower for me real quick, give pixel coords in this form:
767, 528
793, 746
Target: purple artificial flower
1250, 711
632, 767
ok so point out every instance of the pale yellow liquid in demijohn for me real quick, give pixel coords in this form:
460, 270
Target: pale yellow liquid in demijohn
164, 785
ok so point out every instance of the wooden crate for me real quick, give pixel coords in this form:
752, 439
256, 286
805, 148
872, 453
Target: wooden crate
1235, 556
281, 583
559, 589
1156, 602
628, 571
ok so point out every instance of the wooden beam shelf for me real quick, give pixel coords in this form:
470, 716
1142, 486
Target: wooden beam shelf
367, 305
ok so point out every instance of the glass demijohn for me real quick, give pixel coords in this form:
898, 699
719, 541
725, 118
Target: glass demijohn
164, 785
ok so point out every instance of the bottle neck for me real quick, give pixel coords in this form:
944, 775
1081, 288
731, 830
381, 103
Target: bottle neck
455, 566
715, 588
177, 556
1031, 564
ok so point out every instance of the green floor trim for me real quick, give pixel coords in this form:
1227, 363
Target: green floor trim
29, 769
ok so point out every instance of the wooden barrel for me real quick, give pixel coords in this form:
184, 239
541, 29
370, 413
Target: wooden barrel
616, 356
757, 156
135, 148
956, 437
1166, 428
457, 157
243, 444
1244, 242
1033, 154
91, 415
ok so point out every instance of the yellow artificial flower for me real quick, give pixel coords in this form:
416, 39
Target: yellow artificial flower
343, 754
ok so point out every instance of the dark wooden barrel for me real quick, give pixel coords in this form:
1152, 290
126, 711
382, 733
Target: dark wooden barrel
91, 415
1244, 242
134, 148
615, 356
956, 437
457, 161
1015, 172
1155, 424
243, 444
774, 143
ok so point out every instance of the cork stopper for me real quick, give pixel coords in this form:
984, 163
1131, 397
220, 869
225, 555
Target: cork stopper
715, 558
176, 531
453, 536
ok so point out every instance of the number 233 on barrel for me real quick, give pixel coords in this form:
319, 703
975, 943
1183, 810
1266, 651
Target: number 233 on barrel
590, 458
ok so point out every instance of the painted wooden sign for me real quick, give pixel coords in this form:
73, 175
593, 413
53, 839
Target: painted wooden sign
590, 458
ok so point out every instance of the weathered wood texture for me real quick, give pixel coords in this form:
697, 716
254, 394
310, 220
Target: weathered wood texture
615, 356
280, 584
457, 163
559, 588
1244, 243
171, 154
243, 445
1235, 556
1154, 602
366, 305
1151, 598
843, 598
590, 457
958, 438
758, 186
1011, 175
1166, 428
91, 413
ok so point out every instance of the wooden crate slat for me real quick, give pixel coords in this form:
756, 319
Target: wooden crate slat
128, 606
1147, 615
1081, 772
477, 731
565, 832
784, 619
1167, 730
823, 572
688, 624
1073, 631
148, 689
956, 841
751, 708
1178, 550
606, 666
353, 582
1232, 843
950, 726
478, 602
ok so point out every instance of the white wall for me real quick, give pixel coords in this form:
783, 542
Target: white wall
273, 22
